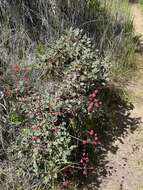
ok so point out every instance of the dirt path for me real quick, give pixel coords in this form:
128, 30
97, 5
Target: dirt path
138, 19
126, 165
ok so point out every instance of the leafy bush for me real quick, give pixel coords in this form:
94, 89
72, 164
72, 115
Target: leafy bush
54, 134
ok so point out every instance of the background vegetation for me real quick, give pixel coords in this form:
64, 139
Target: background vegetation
58, 61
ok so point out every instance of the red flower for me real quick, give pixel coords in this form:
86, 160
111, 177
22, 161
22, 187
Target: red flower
91, 132
84, 142
94, 142
86, 159
84, 154
93, 101
15, 68
90, 107
93, 94
84, 172
34, 138
26, 78
66, 184
97, 105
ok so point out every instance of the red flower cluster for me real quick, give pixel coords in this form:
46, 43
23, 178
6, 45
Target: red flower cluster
66, 184
93, 136
84, 163
91, 132
35, 138
15, 68
19, 74
93, 101
84, 159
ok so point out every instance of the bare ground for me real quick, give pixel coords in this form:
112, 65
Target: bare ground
125, 168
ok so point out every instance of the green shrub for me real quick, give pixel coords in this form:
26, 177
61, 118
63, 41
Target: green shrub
55, 133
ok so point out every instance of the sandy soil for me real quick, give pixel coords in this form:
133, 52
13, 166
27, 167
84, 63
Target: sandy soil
138, 18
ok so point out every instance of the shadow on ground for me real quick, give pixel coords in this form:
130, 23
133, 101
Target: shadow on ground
115, 123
